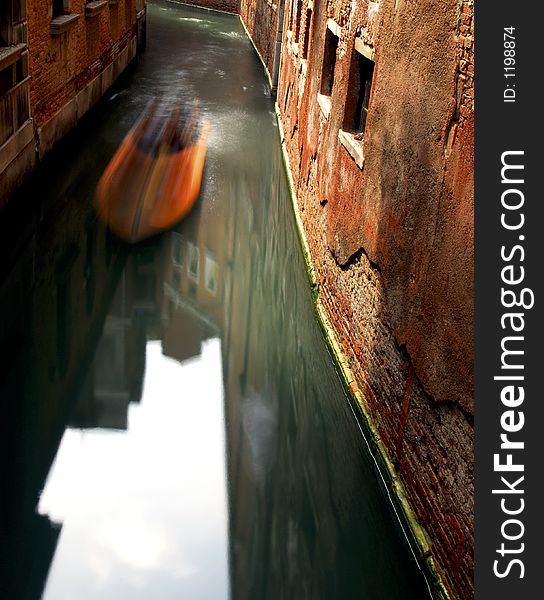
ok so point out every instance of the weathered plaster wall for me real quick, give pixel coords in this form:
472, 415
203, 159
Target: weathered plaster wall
392, 242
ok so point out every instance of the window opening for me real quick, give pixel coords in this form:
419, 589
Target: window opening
329, 62
298, 18
307, 34
58, 8
360, 84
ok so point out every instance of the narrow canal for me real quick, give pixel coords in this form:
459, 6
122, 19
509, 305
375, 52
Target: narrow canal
172, 423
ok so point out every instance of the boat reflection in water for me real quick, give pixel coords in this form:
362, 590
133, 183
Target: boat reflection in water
154, 178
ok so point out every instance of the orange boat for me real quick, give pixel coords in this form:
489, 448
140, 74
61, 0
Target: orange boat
154, 178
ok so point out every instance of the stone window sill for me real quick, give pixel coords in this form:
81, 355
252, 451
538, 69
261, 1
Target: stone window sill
334, 27
325, 104
10, 54
62, 23
353, 146
364, 49
93, 8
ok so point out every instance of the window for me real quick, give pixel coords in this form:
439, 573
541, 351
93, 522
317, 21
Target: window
58, 8
15, 69
307, 34
360, 83
12, 14
298, 17
177, 250
211, 273
357, 100
292, 13
5, 23
14, 98
329, 62
332, 35
61, 16
193, 257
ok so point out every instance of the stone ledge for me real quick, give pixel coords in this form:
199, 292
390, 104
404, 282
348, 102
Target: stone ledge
10, 54
325, 104
62, 23
353, 146
334, 27
364, 49
93, 8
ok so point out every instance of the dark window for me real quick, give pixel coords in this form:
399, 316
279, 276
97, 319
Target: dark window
14, 74
12, 12
299, 15
360, 84
329, 62
58, 7
307, 34
5, 22
6, 79
20, 70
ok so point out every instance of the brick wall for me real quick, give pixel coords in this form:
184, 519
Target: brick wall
392, 242
63, 64
261, 19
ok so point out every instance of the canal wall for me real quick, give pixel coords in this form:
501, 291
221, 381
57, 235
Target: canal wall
64, 56
262, 20
375, 100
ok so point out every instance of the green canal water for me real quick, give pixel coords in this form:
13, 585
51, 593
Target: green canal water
172, 423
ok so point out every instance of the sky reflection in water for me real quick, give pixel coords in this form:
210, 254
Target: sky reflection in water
129, 527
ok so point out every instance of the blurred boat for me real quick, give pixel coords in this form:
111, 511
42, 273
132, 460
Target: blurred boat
154, 178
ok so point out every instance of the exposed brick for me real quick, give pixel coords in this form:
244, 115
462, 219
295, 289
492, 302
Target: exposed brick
62, 65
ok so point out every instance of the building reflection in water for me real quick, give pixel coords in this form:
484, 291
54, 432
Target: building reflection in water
207, 361
53, 296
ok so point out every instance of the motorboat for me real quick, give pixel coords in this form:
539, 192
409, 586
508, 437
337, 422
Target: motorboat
155, 176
